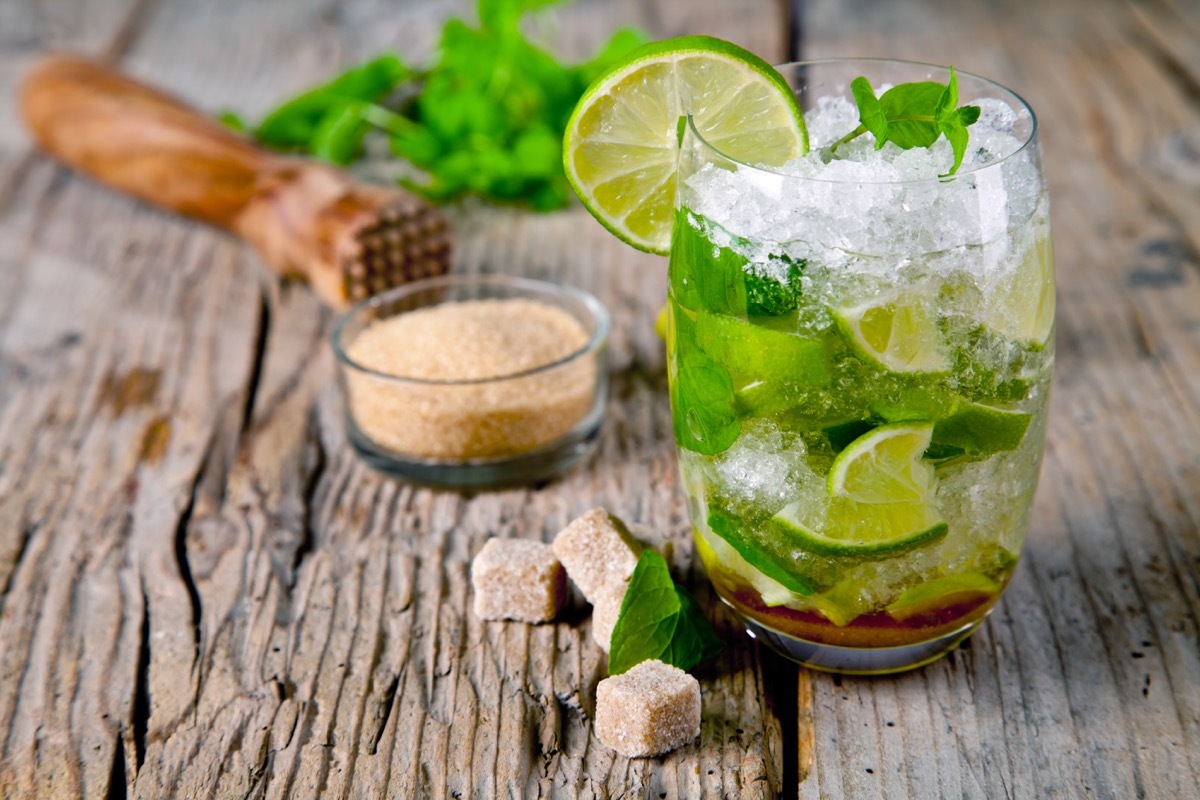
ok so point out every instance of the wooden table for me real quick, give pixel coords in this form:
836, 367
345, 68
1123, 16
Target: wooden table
204, 594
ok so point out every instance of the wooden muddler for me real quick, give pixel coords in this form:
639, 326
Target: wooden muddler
308, 220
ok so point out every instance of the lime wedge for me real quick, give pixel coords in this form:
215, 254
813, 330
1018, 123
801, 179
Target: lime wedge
762, 353
981, 430
1022, 308
881, 498
885, 466
939, 593
895, 332
622, 140
857, 529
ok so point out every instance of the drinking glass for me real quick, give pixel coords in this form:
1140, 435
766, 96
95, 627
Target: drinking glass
859, 359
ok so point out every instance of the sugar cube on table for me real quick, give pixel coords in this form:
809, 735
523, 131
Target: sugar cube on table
598, 552
605, 610
518, 579
649, 710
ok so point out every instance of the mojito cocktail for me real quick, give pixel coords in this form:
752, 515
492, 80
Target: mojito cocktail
860, 348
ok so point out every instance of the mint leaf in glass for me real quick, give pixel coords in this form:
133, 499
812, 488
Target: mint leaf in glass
913, 115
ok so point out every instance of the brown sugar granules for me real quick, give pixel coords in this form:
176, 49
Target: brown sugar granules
475, 340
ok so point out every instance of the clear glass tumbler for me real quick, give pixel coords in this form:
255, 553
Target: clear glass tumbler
860, 358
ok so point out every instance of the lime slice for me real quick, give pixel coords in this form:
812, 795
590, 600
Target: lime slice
885, 466
881, 498
859, 529
622, 140
981, 430
762, 353
1023, 307
897, 333
941, 593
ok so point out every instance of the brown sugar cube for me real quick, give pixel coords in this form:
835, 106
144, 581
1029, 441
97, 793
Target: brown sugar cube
518, 579
649, 710
605, 611
597, 551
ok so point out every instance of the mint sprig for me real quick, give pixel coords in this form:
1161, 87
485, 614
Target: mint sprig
659, 619
913, 115
484, 117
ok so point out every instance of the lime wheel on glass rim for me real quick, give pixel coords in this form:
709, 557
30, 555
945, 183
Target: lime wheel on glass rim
622, 141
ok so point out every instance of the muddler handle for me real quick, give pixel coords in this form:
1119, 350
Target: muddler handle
306, 219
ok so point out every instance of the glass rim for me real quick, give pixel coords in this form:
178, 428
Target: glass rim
597, 340
1029, 139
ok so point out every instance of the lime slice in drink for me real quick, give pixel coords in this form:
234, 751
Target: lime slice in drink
857, 529
1023, 307
622, 140
941, 593
981, 430
762, 353
885, 466
895, 332
881, 498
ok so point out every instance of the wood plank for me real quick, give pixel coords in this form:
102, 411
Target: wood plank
207, 594
1084, 681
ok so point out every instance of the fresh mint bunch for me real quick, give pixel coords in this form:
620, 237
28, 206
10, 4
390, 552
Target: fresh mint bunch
913, 115
485, 118
659, 619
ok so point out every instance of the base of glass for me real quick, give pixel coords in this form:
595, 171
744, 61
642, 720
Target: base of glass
857, 660
524, 468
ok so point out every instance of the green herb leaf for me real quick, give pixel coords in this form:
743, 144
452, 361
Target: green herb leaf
648, 617
767, 296
909, 108
913, 115
703, 411
659, 620
694, 640
487, 118
296, 121
339, 136
231, 119
870, 112
766, 562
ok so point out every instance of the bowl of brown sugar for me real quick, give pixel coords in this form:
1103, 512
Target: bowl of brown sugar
473, 381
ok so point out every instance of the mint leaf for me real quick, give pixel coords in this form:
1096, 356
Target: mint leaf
659, 620
648, 617
955, 133
870, 112
909, 108
761, 559
913, 115
702, 405
949, 98
767, 296
232, 120
485, 117
968, 115
294, 123
694, 640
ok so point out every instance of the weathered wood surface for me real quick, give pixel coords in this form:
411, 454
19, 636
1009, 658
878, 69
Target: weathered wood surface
203, 595
1085, 682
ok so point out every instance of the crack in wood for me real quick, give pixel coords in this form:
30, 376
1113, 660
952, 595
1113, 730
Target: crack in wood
117, 789
141, 687
317, 462
28, 529
261, 335
127, 31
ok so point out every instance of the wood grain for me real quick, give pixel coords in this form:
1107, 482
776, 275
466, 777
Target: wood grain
204, 594
1084, 681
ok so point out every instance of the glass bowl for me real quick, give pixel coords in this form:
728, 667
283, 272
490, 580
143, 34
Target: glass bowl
517, 423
